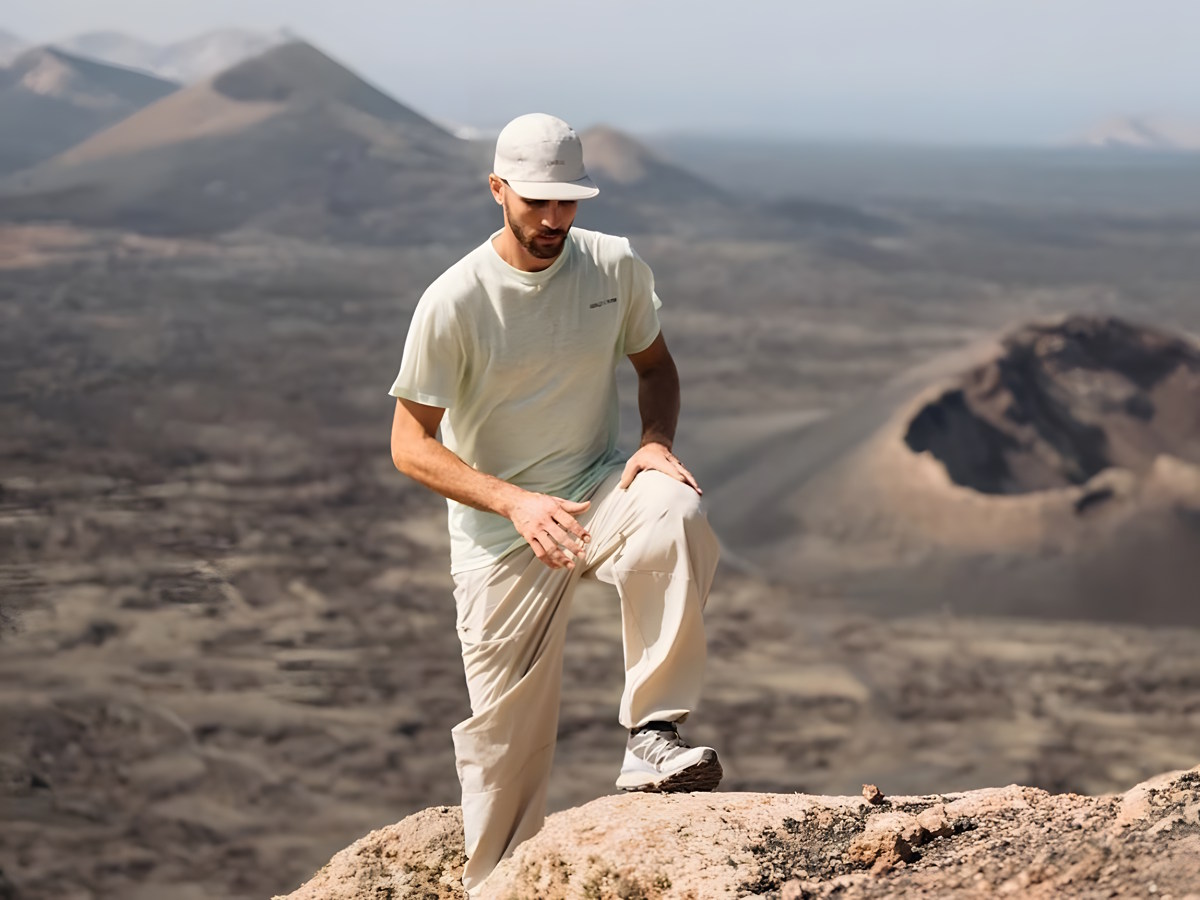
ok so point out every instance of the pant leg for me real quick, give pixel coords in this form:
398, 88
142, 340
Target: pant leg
512, 621
653, 542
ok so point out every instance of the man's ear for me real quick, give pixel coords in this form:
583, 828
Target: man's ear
497, 187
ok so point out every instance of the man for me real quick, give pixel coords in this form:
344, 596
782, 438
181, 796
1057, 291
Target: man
513, 353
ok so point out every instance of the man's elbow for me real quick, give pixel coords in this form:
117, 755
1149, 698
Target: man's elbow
413, 437
403, 457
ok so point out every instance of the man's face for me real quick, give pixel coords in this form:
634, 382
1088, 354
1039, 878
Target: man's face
540, 226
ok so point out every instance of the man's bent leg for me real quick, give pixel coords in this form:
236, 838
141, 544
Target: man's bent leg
655, 545
512, 623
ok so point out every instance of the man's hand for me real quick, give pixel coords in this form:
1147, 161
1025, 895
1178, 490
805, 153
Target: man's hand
548, 524
659, 458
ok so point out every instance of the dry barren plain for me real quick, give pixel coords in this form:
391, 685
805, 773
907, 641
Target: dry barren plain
229, 647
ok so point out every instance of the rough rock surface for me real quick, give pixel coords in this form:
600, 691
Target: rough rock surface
1012, 841
420, 856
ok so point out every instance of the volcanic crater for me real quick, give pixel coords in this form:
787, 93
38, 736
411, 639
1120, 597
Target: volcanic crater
1061, 403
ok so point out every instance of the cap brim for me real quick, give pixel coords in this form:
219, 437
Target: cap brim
582, 189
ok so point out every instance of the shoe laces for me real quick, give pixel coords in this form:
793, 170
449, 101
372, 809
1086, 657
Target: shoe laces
655, 747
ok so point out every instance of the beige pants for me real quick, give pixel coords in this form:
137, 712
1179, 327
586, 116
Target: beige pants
653, 542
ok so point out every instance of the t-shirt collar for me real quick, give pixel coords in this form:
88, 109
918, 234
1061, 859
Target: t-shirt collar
520, 274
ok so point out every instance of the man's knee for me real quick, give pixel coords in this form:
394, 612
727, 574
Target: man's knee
673, 527
663, 495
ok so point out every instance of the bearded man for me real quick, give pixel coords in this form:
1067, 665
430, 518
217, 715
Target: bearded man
512, 353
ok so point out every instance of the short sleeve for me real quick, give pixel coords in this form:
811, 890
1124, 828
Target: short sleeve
433, 365
641, 312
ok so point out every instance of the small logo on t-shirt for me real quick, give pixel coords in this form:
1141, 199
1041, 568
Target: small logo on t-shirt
600, 303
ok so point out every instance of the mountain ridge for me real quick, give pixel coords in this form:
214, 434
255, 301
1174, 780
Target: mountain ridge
188, 60
1143, 132
51, 100
290, 140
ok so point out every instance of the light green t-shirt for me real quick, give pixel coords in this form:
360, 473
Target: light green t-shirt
524, 363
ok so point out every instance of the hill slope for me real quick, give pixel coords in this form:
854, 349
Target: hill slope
185, 61
290, 141
50, 100
642, 193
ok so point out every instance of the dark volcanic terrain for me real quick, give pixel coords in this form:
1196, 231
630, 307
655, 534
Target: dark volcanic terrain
950, 447
1063, 403
230, 648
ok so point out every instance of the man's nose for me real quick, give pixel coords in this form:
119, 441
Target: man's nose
553, 214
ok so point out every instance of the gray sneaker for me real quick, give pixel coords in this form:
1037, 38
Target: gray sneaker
658, 760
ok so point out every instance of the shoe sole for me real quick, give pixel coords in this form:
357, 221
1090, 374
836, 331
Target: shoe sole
704, 775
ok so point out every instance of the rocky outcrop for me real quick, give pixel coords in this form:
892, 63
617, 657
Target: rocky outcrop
1011, 841
421, 856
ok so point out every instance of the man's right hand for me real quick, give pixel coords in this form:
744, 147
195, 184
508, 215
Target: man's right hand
548, 524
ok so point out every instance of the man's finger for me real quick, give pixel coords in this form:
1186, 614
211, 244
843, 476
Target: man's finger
689, 478
567, 521
550, 555
674, 470
564, 560
631, 470
561, 558
573, 506
566, 540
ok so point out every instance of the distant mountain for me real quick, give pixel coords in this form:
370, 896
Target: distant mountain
1143, 133
290, 141
628, 166
207, 54
11, 47
50, 100
112, 47
640, 192
186, 61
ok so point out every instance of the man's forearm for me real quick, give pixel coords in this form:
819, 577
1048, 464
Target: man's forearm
658, 403
426, 460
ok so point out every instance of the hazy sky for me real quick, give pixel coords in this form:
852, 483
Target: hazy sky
939, 70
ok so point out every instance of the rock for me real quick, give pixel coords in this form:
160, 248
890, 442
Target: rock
872, 794
935, 821
1012, 841
420, 856
887, 839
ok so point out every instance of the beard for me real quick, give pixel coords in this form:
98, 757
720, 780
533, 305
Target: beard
528, 238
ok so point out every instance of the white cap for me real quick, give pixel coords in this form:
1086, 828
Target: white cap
541, 158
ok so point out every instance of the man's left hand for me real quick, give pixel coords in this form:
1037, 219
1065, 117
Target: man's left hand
659, 458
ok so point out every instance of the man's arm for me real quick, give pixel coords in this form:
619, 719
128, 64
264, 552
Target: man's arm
658, 403
547, 523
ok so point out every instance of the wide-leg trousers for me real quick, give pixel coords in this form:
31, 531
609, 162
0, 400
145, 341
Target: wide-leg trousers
652, 541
